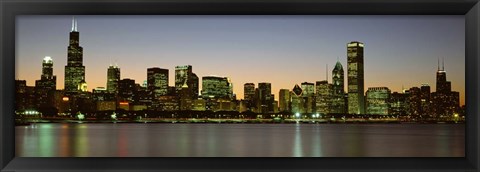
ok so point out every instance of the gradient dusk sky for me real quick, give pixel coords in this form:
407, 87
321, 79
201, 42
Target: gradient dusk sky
400, 51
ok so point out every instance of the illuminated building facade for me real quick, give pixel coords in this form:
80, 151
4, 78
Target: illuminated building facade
338, 87
378, 100
157, 82
324, 97
184, 74
113, 76
308, 94
399, 104
284, 100
355, 75
74, 70
297, 100
414, 102
46, 86
216, 87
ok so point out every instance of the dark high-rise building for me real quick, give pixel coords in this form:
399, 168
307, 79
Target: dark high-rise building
338, 87
265, 97
46, 86
414, 102
157, 82
126, 90
74, 70
425, 100
356, 98
445, 101
24, 96
194, 82
399, 104
113, 76
249, 95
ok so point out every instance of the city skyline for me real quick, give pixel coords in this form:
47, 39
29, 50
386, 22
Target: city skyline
372, 67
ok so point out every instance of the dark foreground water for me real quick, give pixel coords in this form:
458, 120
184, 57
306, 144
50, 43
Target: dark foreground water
240, 140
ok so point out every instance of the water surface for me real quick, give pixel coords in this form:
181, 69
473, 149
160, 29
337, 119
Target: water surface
240, 140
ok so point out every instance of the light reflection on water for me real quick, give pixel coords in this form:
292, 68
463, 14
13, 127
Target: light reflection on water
240, 140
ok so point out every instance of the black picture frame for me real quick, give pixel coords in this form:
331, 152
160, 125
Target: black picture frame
11, 8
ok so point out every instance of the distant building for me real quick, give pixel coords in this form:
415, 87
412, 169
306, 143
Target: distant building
378, 101
74, 70
113, 76
308, 94
216, 87
126, 90
356, 100
46, 86
249, 95
324, 97
157, 82
284, 100
414, 102
425, 100
265, 98
199, 105
338, 87
185, 74
399, 104
297, 100
445, 101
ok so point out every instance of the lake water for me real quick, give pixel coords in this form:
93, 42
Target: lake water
239, 140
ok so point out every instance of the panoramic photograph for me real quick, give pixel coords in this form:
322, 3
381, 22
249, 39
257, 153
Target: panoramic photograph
239, 86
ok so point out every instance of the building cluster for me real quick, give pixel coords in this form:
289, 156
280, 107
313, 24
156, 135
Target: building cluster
156, 94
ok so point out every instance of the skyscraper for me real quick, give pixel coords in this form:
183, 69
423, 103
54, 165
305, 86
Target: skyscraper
46, 86
284, 100
338, 94
445, 101
425, 100
113, 76
308, 94
297, 100
74, 70
323, 100
265, 97
157, 82
356, 100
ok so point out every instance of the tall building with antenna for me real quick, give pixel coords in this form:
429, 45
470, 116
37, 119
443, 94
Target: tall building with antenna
445, 101
74, 70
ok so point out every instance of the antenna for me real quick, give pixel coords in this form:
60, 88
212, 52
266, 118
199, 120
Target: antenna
73, 23
327, 73
443, 64
438, 63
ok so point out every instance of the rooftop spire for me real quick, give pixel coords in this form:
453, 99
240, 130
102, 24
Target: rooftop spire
443, 64
74, 24
438, 64
327, 73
